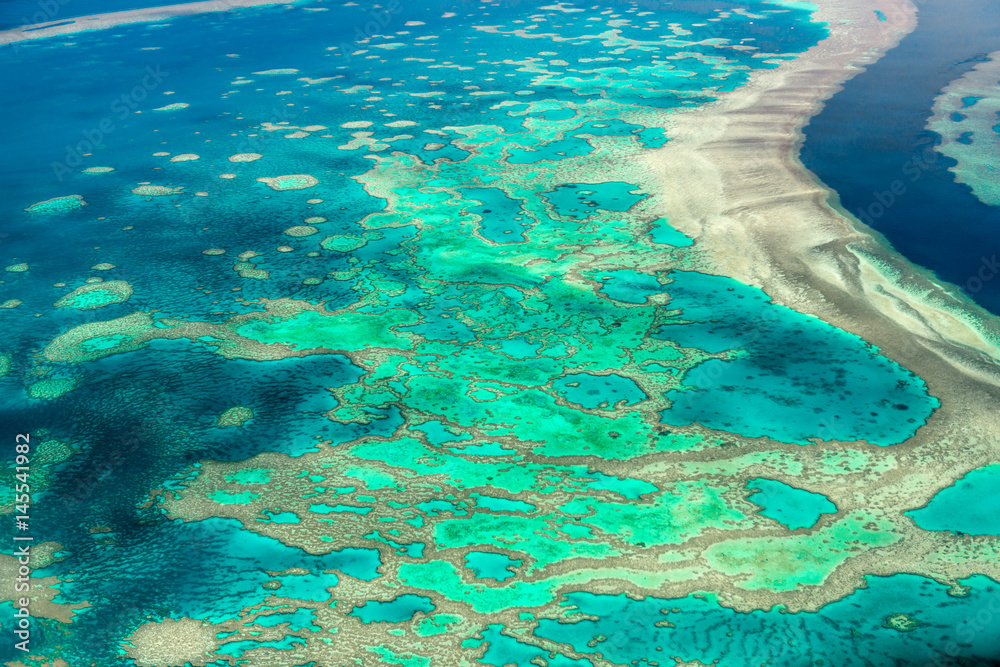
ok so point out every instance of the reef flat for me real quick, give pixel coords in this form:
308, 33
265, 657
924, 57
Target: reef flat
967, 116
106, 20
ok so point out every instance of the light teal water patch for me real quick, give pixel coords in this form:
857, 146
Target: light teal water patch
238, 648
626, 487
799, 378
418, 147
440, 322
390, 657
90, 297
329, 509
580, 200
397, 610
629, 286
489, 565
105, 342
971, 506
662, 232
275, 516
309, 329
310, 586
880, 15
556, 114
438, 433
598, 391
648, 137
435, 507
300, 619
228, 498
413, 550
697, 628
575, 144
554, 150
504, 650
503, 219
795, 508
519, 348
969, 100
494, 504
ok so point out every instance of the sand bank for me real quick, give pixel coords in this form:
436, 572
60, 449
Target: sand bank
63, 26
737, 185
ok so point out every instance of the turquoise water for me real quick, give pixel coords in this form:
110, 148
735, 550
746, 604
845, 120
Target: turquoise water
299, 619
575, 144
652, 629
393, 611
792, 507
495, 504
630, 286
238, 648
786, 386
663, 233
577, 200
598, 391
326, 509
488, 565
971, 506
504, 649
192, 575
500, 214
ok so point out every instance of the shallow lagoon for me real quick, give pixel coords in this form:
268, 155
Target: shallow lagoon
971, 506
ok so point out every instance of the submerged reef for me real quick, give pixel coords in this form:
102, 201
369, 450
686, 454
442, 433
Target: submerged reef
967, 117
